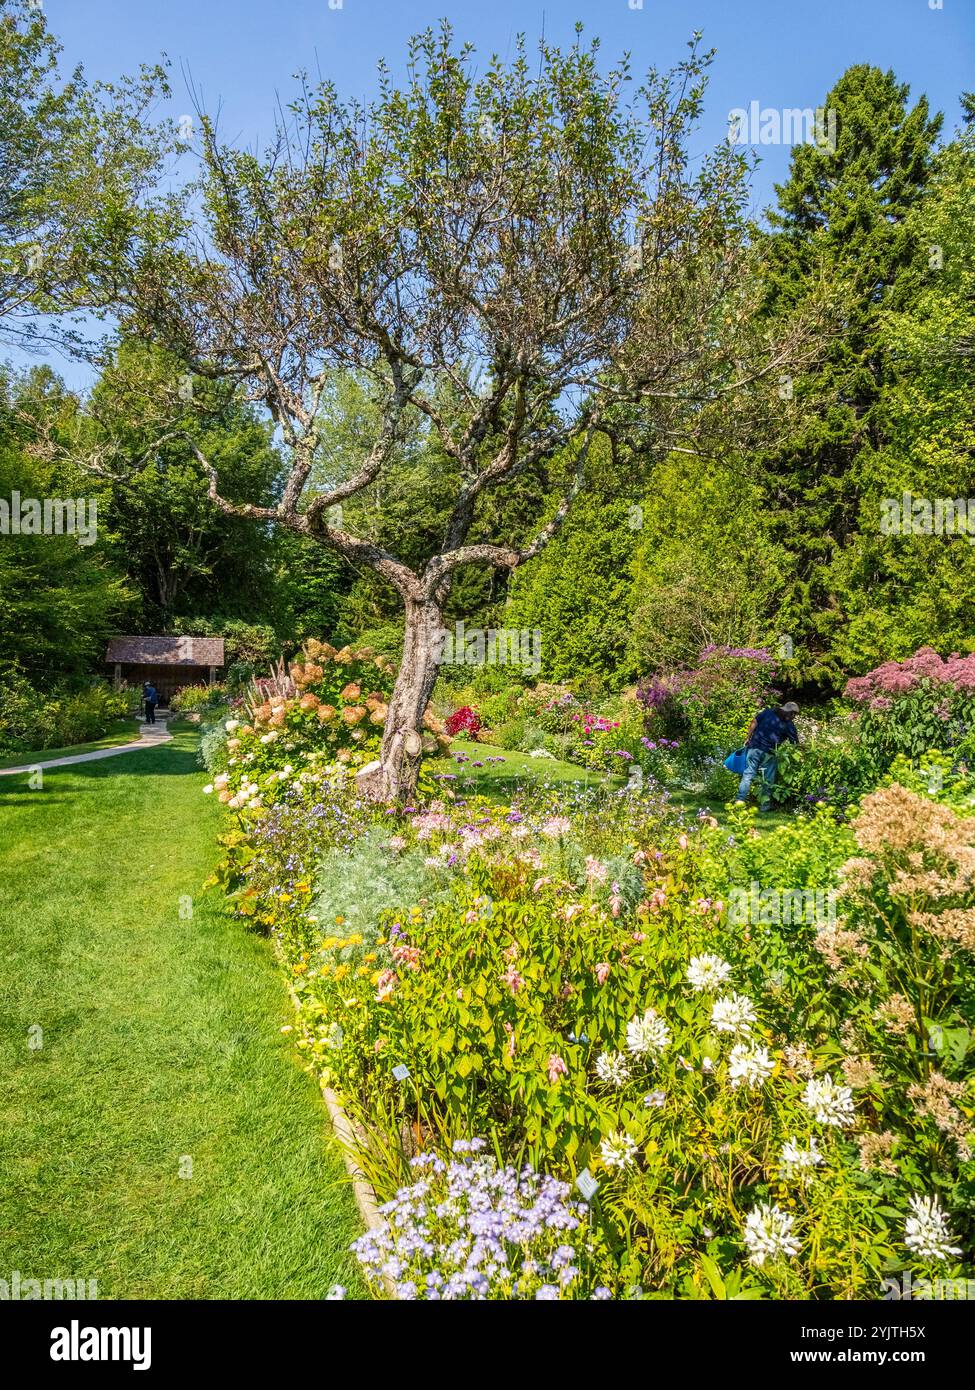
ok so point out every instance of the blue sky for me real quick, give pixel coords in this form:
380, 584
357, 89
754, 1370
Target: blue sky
241, 54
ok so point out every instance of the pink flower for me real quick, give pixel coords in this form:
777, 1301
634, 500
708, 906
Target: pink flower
556, 1068
512, 979
556, 826
602, 971
595, 869
385, 985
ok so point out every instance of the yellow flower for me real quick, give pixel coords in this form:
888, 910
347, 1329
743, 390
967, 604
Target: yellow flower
341, 971
370, 955
285, 897
299, 969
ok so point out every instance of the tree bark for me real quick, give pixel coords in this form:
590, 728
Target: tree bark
403, 733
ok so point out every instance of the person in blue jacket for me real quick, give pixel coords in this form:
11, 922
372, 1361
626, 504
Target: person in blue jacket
768, 729
150, 698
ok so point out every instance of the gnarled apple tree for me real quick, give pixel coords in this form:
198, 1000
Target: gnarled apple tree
518, 259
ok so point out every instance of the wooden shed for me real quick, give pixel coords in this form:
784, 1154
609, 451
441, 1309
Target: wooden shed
168, 663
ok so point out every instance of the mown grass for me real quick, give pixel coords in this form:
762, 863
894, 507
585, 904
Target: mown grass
163, 1140
500, 779
123, 731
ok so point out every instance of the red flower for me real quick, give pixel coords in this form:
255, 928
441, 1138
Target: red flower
464, 718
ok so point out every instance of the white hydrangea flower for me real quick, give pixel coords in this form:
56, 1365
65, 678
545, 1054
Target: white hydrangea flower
647, 1034
733, 1013
207, 790
749, 1066
706, 972
831, 1104
617, 1150
768, 1234
231, 725
927, 1231
798, 1163
613, 1068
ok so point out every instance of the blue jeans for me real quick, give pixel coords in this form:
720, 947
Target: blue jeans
757, 760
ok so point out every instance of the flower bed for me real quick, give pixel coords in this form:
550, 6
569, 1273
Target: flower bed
329, 710
750, 1103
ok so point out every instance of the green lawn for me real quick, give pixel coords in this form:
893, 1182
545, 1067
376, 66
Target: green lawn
500, 779
163, 1139
124, 731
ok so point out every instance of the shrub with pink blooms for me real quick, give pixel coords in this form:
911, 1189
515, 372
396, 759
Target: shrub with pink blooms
908, 707
709, 706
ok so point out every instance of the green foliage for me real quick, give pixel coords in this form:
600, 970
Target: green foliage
833, 763
706, 569
577, 593
31, 719
61, 599
199, 699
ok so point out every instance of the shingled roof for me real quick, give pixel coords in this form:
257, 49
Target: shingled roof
166, 651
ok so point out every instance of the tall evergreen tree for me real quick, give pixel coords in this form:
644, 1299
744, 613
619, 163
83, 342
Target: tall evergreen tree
842, 218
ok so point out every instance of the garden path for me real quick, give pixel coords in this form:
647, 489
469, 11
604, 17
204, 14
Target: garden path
150, 736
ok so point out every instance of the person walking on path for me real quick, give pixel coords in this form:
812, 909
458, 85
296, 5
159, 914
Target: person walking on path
151, 699
768, 729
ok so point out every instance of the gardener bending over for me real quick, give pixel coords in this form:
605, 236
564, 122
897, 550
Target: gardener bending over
767, 730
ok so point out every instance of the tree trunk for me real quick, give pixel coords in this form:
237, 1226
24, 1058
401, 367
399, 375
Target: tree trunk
403, 732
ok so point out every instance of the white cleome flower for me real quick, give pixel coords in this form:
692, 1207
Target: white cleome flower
749, 1066
613, 1068
768, 1234
733, 1013
647, 1034
926, 1232
831, 1104
655, 1100
798, 1163
707, 972
617, 1150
